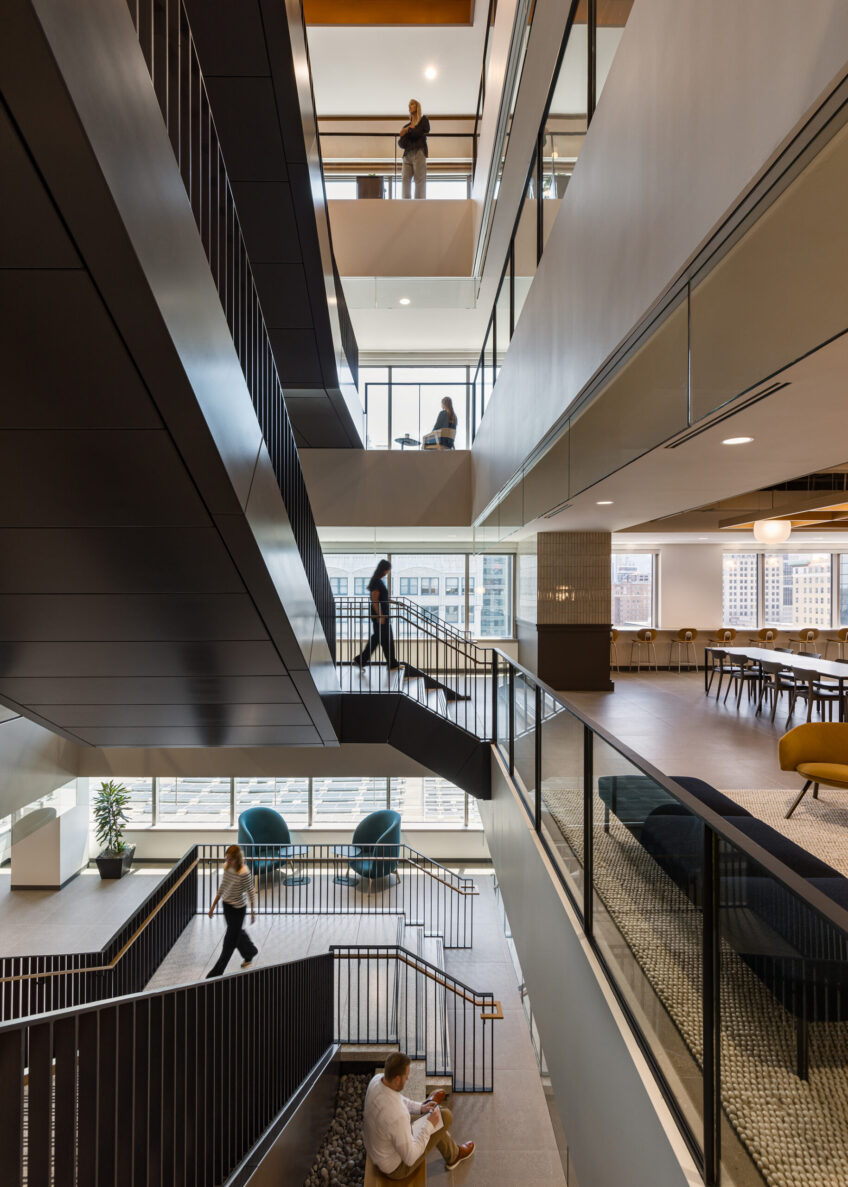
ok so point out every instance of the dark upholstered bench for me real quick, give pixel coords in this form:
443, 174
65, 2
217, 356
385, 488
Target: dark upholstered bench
800, 958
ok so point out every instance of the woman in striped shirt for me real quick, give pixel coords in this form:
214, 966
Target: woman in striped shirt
236, 889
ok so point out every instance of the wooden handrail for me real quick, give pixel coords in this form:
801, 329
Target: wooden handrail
495, 1016
105, 968
444, 881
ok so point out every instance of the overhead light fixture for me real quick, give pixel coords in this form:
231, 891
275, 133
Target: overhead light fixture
604, 502
404, 300
737, 440
772, 531
430, 73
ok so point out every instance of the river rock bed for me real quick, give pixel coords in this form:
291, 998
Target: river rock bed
341, 1160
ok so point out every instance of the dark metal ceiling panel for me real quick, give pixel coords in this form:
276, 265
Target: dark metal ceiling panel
141, 690
96, 617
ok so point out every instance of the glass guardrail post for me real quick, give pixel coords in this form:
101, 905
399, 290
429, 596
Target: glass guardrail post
711, 1021
588, 833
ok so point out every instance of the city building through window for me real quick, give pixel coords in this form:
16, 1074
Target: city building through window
633, 589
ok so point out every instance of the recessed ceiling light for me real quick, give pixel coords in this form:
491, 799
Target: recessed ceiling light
737, 440
404, 300
604, 502
430, 73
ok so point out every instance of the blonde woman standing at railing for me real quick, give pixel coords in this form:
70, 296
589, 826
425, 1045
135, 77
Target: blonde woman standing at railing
413, 141
235, 890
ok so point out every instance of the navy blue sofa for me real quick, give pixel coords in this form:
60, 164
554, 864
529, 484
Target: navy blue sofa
801, 958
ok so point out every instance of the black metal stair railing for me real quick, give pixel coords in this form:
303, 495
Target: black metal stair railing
315, 880
174, 1086
387, 995
166, 41
431, 661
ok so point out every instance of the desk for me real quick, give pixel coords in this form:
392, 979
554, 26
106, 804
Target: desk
816, 667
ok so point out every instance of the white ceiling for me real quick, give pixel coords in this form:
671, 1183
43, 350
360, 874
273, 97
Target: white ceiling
368, 70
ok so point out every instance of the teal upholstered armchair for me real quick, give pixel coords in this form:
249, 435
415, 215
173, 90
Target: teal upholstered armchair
265, 827
375, 849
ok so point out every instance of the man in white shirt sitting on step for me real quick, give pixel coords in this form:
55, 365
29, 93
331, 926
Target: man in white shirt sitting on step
395, 1143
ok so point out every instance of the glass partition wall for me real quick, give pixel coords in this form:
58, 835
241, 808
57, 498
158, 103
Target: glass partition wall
402, 404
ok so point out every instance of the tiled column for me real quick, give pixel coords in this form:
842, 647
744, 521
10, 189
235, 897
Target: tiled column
573, 609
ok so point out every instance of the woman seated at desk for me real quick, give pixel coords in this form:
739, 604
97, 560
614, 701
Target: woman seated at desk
444, 430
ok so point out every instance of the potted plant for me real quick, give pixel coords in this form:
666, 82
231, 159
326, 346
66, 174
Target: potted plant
110, 821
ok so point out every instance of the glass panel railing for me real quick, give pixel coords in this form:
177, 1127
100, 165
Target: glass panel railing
646, 921
562, 816
725, 942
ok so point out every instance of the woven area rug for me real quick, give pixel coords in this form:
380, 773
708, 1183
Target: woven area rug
796, 1132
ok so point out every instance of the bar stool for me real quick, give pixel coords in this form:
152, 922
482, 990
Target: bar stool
644, 640
765, 637
614, 649
806, 637
684, 644
839, 643
724, 634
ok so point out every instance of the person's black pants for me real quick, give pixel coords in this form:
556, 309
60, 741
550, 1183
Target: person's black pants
381, 636
236, 937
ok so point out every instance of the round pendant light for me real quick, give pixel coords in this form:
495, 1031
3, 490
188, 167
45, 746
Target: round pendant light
772, 531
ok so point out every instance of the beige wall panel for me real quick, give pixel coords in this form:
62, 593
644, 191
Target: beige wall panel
375, 237
244, 762
666, 157
781, 291
546, 484
392, 488
33, 762
643, 404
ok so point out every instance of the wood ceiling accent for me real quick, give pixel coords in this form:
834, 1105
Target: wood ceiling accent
818, 512
388, 12
612, 14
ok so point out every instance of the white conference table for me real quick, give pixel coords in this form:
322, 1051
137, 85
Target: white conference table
831, 669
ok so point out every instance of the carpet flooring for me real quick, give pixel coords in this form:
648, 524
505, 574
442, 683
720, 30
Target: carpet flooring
795, 1131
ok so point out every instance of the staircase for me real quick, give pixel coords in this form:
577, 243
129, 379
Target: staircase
437, 705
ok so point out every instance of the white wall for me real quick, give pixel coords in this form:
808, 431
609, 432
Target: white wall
690, 586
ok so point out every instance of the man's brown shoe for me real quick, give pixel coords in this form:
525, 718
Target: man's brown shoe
465, 1151
438, 1097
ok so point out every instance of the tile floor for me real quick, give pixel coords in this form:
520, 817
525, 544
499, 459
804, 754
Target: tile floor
665, 718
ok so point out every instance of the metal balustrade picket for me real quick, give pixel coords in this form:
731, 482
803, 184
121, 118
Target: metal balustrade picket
307, 880
175, 1086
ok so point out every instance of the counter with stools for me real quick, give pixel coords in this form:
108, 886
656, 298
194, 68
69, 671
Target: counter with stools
806, 639
643, 643
840, 643
765, 637
682, 648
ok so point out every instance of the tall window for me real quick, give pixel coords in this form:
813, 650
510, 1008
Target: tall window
426, 575
346, 800
194, 801
339, 586
740, 595
430, 801
490, 595
632, 589
140, 808
290, 797
797, 589
402, 403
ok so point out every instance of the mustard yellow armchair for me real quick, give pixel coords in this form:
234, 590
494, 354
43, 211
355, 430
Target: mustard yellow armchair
819, 752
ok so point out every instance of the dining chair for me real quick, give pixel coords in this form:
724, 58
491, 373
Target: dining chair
776, 680
839, 643
683, 644
747, 675
643, 640
815, 691
725, 665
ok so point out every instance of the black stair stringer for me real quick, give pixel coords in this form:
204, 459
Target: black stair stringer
435, 742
